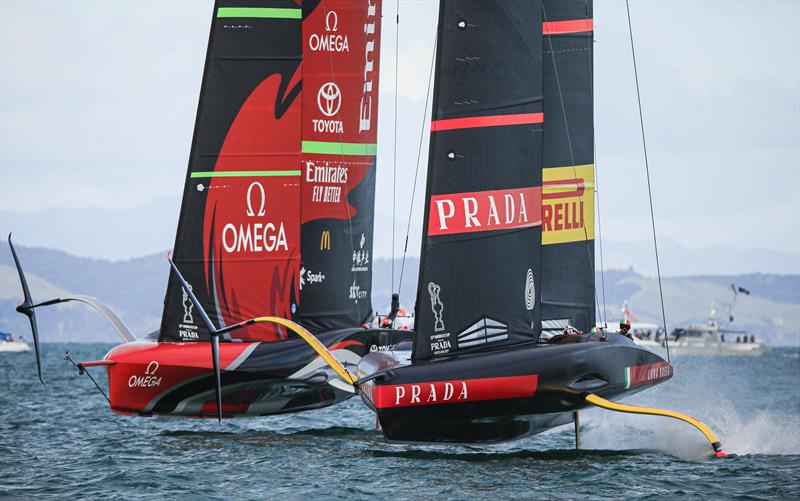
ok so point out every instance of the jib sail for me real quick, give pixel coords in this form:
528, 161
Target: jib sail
341, 44
480, 269
568, 175
248, 191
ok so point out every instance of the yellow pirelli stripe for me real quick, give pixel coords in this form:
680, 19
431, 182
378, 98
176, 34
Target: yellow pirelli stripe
567, 204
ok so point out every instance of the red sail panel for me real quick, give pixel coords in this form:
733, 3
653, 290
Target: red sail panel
341, 47
238, 238
252, 219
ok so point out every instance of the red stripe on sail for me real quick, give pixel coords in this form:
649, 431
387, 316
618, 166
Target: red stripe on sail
485, 211
488, 121
452, 392
564, 27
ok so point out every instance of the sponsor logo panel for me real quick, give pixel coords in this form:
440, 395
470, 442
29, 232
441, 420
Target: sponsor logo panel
484, 331
330, 40
440, 339
449, 392
639, 375
309, 278
567, 204
340, 59
187, 330
148, 380
325, 240
484, 211
257, 233
329, 102
361, 256
340, 83
530, 291
327, 182
356, 293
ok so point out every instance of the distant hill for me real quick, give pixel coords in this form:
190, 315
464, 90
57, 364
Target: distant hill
771, 311
135, 289
150, 228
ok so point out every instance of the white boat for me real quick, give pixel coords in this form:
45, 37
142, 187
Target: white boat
712, 340
8, 345
701, 340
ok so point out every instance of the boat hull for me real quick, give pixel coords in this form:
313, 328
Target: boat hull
502, 395
14, 347
705, 349
176, 379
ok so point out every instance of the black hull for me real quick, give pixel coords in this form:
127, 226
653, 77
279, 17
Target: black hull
496, 396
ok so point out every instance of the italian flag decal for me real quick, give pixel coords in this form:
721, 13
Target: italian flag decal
639, 375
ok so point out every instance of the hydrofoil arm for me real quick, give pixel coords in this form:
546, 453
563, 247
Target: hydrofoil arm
215, 334
633, 409
28, 308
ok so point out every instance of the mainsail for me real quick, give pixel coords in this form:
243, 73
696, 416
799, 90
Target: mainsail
251, 192
480, 268
568, 175
341, 43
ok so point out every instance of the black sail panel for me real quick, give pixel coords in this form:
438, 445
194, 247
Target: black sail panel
480, 269
568, 294
238, 238
341, 47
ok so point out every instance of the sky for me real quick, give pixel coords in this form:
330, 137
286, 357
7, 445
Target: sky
97, 106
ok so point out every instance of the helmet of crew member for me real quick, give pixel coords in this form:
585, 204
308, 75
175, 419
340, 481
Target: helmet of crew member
624, 324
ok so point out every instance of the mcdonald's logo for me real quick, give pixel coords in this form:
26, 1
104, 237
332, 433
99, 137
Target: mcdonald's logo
325, 240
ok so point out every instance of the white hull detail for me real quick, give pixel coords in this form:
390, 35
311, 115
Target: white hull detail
14, 347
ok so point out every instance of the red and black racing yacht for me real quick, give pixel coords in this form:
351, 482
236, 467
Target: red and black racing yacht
271, 265
276, 220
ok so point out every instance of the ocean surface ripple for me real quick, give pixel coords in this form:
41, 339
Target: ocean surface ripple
62, 441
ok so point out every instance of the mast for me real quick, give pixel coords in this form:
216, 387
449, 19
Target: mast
480, 264
568, 177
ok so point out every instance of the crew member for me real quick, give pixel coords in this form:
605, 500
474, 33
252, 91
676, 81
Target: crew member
625, 328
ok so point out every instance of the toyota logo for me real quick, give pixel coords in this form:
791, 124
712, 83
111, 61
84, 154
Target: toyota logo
329, 99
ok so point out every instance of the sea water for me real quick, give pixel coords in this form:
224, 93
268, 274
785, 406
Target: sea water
61, 440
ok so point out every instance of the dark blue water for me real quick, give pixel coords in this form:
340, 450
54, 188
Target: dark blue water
61, 440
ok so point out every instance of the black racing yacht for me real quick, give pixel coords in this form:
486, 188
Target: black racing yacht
507, 258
